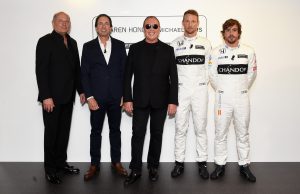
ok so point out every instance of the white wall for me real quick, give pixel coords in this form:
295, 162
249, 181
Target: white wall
271, 27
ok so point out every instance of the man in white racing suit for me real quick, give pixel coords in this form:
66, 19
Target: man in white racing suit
192, 54
232, 70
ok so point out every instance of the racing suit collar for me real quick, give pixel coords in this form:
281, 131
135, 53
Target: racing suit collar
231, 48
190, 38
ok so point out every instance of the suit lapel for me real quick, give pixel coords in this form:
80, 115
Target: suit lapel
99, 51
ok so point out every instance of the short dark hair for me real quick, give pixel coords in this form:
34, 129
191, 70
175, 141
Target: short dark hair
229, 23
103, 15
192, 12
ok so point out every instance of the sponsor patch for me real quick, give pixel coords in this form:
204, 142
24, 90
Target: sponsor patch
223, 57
190, 60
222, 50
181, 48
233, 69
242, 56
199, 47
180, 43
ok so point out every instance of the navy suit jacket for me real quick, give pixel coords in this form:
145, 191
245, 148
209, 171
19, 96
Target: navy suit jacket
99, 79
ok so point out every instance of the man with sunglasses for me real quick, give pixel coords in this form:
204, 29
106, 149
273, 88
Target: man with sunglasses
192, 54
155, 93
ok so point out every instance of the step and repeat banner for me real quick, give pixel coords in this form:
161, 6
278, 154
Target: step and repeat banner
129, 29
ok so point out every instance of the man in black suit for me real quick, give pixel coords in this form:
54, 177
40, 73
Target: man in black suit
102, 68
58, 77
155, 92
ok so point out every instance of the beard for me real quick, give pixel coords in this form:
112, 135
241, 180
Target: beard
232, 39
191, 30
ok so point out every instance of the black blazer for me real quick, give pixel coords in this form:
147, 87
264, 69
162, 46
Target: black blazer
155, 85
57, 68
99, 79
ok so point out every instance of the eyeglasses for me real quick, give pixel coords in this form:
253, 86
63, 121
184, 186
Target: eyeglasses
148, 26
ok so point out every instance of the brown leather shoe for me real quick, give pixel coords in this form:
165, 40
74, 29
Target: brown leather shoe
119, 168
92, 171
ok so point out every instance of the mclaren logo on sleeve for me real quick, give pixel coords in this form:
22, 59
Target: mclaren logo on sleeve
233, 69
190, 60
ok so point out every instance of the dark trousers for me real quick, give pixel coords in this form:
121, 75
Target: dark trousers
56, 137
139, 127
113, 110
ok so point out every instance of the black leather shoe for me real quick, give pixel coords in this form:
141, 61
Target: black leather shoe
53, 178
203, 170
246, 172
134, 175
153, 174
70, 169
178, 169
218, 172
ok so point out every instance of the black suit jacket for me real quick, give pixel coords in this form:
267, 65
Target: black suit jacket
57, 68
155, 85
99, 79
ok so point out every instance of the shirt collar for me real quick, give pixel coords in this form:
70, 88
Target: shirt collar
108, 41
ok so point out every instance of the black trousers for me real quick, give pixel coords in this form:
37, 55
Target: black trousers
113, 111
56, 137
139, 127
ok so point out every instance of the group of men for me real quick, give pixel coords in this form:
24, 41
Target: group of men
168, 79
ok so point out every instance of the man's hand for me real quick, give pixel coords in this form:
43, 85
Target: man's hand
128, 107
172, 109
48, 104
82, 99
93, 105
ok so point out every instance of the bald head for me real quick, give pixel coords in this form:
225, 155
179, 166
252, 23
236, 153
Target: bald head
61, 23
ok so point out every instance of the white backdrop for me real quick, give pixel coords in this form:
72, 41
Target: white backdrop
271, 27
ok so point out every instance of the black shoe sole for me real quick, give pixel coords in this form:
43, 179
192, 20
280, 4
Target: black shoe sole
56, 182
204, 177
126, 183
177, 175
247, 178
217, 177
71, 172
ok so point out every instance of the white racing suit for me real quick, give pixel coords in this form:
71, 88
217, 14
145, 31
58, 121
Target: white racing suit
232, 72
192, 55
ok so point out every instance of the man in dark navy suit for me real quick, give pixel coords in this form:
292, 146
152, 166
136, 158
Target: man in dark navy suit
102, 67
58, 77
155, 92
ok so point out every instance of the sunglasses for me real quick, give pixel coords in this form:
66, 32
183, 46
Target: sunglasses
148, 26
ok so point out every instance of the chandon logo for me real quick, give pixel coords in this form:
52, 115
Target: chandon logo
190, 60
233, 69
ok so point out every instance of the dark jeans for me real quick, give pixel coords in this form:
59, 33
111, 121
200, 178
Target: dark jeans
113, 111
139, 127
56, 136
